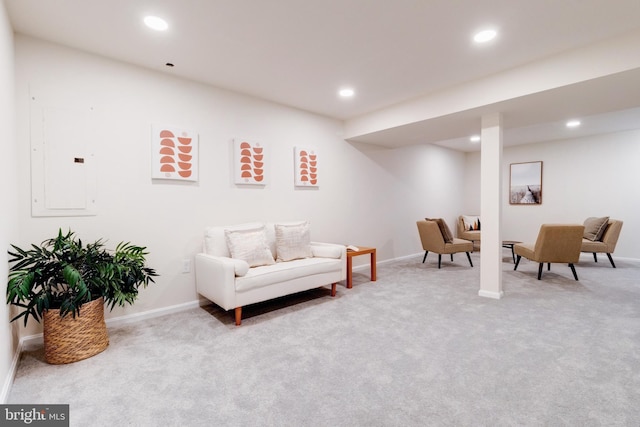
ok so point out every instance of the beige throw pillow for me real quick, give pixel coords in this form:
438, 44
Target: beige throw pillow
594, 227
249, 245
293, 241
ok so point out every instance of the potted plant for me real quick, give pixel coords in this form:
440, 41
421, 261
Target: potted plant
67, 283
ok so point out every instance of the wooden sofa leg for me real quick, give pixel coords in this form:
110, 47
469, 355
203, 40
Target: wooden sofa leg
610, 260
238, 316
333, 289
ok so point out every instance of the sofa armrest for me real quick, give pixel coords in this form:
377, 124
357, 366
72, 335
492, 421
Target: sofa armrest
328, 250
215, 279
331, 250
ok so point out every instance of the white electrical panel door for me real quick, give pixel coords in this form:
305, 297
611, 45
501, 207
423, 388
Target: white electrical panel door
62, 161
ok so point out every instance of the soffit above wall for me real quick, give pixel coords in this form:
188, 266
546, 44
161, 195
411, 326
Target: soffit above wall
605, 105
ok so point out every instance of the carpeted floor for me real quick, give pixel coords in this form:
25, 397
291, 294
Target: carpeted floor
418, 347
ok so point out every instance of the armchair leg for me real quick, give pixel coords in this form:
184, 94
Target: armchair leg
540, 270
515, 267
548, 266
238, 316
425, 256
333, 289
469, 258
439, 259
573, 270
451, 257
595, 257
610, 260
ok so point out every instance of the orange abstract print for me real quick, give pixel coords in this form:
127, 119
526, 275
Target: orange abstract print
306, 167
249, 162
174, 154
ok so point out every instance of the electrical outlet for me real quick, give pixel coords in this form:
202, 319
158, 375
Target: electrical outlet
186, 265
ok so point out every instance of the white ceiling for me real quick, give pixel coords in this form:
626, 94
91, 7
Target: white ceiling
300, 52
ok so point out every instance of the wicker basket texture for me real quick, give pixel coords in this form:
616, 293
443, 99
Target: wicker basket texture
68, 339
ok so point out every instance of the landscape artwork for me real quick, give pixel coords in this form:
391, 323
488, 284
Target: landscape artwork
525, 183
174, 153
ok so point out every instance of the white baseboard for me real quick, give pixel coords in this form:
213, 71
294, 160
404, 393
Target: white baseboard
150, 314
490, 294
11, 375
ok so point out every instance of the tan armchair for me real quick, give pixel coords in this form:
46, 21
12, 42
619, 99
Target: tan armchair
606, 244
432, 240
555, 243
463, 233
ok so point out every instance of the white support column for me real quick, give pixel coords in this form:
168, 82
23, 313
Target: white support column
491, 207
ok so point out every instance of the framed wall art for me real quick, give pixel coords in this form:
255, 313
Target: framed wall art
305, 167
174, 153
249, 162
525, 183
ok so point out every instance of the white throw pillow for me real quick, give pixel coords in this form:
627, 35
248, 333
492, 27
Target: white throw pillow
249, 245
293, 241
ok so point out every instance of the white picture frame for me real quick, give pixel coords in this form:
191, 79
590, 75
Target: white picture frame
174, 153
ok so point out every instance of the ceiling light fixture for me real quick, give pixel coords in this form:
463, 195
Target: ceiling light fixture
485, 36
573, 123
156, 23
475, 138
346, 92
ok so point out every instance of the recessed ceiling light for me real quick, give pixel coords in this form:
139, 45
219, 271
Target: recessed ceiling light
346, 92
475, 138
156, 23
485, 36
573, 123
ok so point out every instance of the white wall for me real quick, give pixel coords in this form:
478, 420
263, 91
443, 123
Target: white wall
8, 194
367, 196
583, 177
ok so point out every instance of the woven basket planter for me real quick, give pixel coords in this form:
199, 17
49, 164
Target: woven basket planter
68, 339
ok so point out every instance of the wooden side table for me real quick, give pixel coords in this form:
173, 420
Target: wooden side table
361, 251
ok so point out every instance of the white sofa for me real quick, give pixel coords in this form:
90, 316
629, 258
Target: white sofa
231, 271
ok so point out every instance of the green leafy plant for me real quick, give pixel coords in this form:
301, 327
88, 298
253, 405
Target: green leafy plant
62, 273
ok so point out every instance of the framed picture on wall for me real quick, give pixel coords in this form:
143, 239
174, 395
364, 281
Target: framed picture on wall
249, 162
525, 183
175, 153
306, 167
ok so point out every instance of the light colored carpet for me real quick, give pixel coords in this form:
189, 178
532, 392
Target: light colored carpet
418, 347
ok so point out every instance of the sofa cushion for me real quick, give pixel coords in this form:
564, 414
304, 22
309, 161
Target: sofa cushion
284, 271
594, 227
444, 229
215, 242
293, 241
249, 245
471, 223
